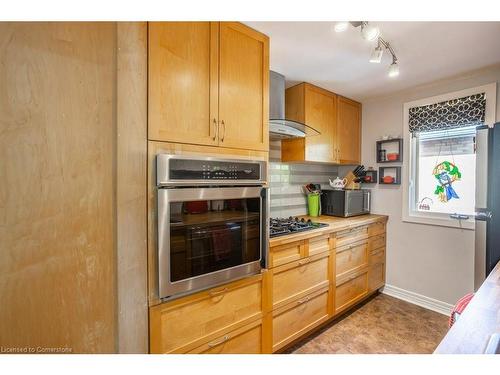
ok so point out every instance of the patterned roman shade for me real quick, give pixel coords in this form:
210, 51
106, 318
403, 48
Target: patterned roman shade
456, 113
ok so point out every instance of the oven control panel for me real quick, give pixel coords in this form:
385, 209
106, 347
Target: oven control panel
183, 169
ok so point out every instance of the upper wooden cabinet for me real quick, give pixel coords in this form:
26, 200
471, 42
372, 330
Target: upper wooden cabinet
243, 87
209, 84
348, 130
338, 119
315, 107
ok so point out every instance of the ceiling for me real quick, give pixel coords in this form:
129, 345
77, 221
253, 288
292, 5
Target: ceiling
427, 51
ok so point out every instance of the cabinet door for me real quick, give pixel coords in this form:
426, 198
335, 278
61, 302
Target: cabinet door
183, 80
320, 113
243, 87
349, 130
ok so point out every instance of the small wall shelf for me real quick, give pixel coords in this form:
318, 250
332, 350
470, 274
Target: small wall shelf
372, 175
390, 146
393, 171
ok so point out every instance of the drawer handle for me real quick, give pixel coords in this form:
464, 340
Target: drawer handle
214, 293
303, 300
221, 341
305, 261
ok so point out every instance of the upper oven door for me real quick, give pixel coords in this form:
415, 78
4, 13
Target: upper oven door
207, 236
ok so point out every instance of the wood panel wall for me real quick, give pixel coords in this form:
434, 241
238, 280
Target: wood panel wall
64, 256
132, 114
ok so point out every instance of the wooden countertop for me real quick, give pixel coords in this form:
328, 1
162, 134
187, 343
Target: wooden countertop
335, 224
481, 318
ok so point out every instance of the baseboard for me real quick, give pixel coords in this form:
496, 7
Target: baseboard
418, 299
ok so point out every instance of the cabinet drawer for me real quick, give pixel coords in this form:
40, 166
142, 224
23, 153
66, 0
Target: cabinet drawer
377, 256
296, 279
350, 290
376, 228
376, 276
183, 324
297, 318
351, 257
319, 244
286, 253
350, 236
376, 242
245, 340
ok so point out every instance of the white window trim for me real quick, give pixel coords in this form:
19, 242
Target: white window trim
414, 216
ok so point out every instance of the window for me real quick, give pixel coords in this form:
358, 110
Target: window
439, 177
445, 171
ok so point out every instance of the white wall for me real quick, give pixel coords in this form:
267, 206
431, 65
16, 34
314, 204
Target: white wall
436, 262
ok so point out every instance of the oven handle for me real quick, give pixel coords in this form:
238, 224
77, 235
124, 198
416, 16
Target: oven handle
264, 227
213, 193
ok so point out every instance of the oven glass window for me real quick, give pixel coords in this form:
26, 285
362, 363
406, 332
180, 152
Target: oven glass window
208, 236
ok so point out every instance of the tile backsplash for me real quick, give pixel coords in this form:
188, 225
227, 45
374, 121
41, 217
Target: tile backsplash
286, 181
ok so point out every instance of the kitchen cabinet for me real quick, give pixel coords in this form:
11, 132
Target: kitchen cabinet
348, 131
337, 118
297, 279
243, 87
187, 323
208, 84
350, 290
351, 257
245, 340
299, 317
314, 107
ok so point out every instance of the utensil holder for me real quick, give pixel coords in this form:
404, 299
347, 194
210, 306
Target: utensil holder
351, 185
313, 204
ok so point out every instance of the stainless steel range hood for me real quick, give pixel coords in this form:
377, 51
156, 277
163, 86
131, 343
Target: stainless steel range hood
279, 127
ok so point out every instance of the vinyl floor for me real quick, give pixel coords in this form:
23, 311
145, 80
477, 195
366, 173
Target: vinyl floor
381, 325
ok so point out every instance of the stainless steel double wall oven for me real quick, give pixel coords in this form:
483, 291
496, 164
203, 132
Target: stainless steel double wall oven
212, 221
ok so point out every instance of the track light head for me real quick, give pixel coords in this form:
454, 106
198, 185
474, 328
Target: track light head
369, 32
341, 26
376, 55
393, 69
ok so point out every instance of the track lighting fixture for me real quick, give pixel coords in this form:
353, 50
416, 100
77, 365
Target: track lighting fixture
370, 32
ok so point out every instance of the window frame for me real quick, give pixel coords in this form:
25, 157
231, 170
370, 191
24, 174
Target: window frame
410, 214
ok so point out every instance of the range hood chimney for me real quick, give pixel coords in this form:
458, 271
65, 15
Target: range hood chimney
279, 127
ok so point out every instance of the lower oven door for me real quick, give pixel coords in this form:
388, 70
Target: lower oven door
208, 236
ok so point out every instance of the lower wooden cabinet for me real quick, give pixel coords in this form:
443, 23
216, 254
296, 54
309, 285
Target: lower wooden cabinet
349, 236
309, 282
350, 290
286, 253
244, 340
187, 323
376, 276
296, 279
351, 257
297, 318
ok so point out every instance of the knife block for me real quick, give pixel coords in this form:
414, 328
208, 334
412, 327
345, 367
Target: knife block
350, 184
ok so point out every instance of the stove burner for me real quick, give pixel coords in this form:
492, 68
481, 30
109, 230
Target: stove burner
282, 226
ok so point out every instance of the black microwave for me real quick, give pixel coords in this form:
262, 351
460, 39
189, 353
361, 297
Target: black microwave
345, 203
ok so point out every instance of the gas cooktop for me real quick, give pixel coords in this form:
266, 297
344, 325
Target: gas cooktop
282, 226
